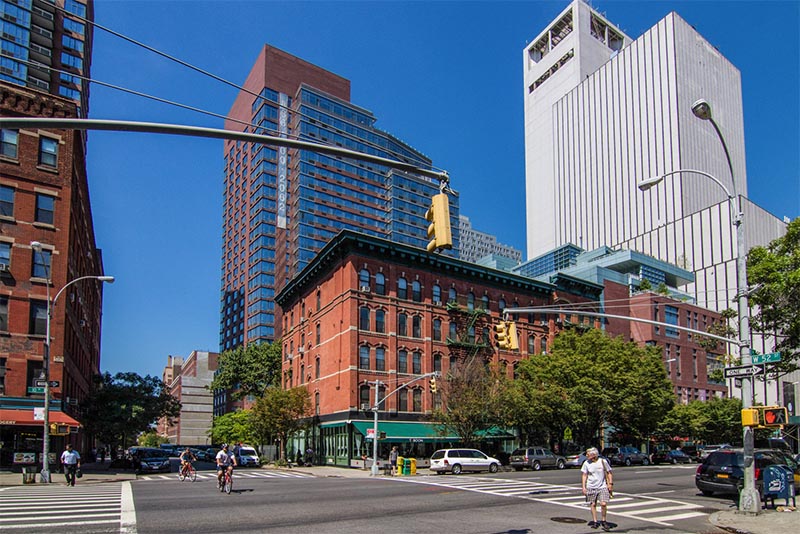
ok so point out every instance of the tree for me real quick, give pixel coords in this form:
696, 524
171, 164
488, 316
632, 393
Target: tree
717, 420
120, 407
280, 413
471, 394
233, 427
151, 438
249, 370
776, 269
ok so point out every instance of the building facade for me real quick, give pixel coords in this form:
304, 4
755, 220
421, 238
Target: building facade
282, 206
368, 309
474, 244
188, 380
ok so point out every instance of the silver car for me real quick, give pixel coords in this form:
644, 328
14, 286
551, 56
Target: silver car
457, 461
536, 458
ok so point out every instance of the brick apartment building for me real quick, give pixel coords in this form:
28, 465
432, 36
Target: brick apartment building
367, 309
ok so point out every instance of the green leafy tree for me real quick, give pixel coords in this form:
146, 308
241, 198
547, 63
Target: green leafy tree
151, 439
233, 427
249, 370
717, 420
645, 285
122, 406
280, 413
776, 269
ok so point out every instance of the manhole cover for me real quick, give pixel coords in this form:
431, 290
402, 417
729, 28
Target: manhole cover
539, 492
571, 520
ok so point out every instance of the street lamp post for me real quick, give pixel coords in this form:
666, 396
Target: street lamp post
749, 500
37, 246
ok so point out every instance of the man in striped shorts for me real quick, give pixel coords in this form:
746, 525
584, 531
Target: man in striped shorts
598, 484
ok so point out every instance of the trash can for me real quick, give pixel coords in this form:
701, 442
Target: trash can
28, 475
413, 466
400, 460
778, 484
406, 466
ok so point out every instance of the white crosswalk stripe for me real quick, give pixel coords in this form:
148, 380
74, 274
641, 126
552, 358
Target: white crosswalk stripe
212, 475
89, 508
644, 508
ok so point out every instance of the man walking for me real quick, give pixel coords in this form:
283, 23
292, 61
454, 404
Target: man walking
72, 462
598, 485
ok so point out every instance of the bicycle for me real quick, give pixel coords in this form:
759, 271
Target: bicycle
226, 482
188, 471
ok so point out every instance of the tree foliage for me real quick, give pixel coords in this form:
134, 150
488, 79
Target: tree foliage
151, 438
232, 427
590, 379
249, 370
120, 407
717, 420
280, 413
776, 268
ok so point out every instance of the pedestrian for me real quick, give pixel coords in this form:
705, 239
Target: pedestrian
102, 454
299, 458
72, 462
598, 484
309, 457
393, 454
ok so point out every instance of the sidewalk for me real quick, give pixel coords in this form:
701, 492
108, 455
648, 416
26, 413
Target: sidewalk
93, 473
768, 522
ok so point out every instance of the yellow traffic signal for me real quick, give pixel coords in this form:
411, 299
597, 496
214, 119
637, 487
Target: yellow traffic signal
501, 334
513, 340
433, 385
772, 416
749, 417
439, 230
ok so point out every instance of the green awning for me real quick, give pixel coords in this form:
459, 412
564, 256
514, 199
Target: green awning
495, 432
333, 424
397, 431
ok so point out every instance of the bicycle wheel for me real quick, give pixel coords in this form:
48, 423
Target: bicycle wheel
228, 484
181, 474
193, 473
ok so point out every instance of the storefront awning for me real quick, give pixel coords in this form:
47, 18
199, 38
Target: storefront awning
25, 418
397, 431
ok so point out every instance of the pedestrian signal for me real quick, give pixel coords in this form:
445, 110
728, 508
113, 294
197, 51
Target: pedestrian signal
772, 416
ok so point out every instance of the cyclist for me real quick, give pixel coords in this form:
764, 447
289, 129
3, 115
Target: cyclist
187, 457
225, 462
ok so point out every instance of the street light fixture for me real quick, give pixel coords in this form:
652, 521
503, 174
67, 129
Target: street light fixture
749, 500
37, 246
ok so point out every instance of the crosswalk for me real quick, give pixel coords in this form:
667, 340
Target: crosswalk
212, 475
644, 508
88, 508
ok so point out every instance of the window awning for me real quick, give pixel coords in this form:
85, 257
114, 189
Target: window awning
332, 425
25, 418
401, 431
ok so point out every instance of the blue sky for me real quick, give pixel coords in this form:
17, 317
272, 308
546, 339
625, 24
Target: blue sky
445, 77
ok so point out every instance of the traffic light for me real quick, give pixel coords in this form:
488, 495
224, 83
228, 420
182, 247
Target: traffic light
749, 417
439, 229
772, 416
513, 340
505, 333
57, 429
433, 385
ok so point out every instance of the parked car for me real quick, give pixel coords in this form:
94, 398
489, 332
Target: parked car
625, 456
246, 456
536, 458
675, 456
693, 452
457, 461
150, 460
575, 460
708, 449
722, 471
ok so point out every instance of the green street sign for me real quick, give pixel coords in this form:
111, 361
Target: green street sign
772, 357
36, 390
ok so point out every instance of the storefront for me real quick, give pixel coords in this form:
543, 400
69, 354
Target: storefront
21, 437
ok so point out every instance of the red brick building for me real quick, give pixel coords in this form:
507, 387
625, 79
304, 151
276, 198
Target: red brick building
367, 309
44, 197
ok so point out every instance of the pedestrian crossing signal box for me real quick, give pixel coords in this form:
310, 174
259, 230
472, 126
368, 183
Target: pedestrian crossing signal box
749, 417
59, 430
772, 416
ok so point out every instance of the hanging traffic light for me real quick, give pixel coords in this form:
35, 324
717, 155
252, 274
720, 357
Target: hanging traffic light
772, 416
433, 385
513, 340
501, 334
439, 230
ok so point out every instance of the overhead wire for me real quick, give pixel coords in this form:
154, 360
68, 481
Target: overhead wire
220, 79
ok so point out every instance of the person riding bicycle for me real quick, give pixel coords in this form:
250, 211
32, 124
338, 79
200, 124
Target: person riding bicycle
187, 457
225, 462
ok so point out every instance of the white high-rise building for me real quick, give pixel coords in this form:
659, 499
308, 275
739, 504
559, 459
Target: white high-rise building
475, 244
602, 113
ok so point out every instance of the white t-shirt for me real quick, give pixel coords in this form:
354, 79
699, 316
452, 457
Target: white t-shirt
70, 457
224, 458
596, 472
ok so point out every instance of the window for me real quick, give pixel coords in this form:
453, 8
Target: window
416, 363
671, 317
363, 396
402, 288
471, 334
531, 343
317, 368
302, 377
380, 321
451, 298
35, 372
437, 363
363, 280
5, 253
402, 400
402, 324
38, 318
3, 315
41, 264
6, 201
416, 326
2, 376
380, 284
470, 301
380, 359
453, 334
48, 152
318, 334
9, 139
543, 345
437, 329
501, 305
402, 361
319, 300
485, 300
316, 403
417, 401
436, 294
416, 291
363, 318
363, 357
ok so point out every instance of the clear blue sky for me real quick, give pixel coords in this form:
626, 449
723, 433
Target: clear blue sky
445, 77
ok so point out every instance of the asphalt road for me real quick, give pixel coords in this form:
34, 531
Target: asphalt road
648, 499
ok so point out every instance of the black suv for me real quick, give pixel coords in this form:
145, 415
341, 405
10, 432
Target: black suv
722, 471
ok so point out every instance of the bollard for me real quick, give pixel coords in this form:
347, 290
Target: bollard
413, 466
400, 461
406, 466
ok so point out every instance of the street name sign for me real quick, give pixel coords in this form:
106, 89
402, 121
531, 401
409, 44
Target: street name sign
40, 383
742, 370
54, 383
772, 357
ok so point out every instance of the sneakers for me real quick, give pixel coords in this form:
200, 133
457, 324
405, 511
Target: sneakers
594, 524
605, 526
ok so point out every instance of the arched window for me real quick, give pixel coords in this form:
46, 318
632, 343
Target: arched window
402, 288
416, 363
363, 280
318, 334
317, 368
543, 345
471, 334
453, 334
402, 324
402, 361
485, 300
436, 295
302, 374
416, 291
437, 363
416, 326
380, 284
437, 329
417, 401
363, 318
501, 305
363, 395
363, 357
380, 321
452, 295
453, 363
470, 301
319, 300
380, 359
402, 400
531, 343
316, 403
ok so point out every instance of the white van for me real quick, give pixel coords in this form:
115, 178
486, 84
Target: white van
457, 461
246, 456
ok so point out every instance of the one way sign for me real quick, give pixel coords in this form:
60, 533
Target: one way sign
743, 370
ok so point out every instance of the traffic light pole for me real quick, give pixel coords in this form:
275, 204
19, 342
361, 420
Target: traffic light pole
378, 384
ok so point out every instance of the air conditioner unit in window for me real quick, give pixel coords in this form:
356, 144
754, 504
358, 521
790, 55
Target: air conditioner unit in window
365, 407
365, 289
5, 268
437, 302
